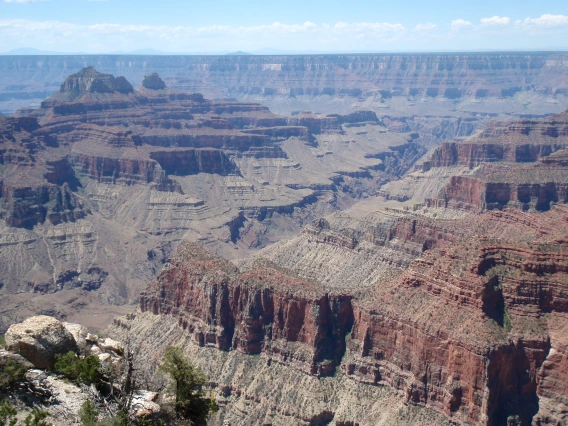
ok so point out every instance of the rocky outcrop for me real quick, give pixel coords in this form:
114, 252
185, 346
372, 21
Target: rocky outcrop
520, 164
61, 397
317, 124
39, 339
358, 117
151, 166
90, 81
500, 292
415, 234
331, 123
474, 154
153, 82
257, 311
521, 279
486, 386
111, 136
7, 358
462, 193
33, 191
26, 206
193, 161
60, 172
531, 187
18, 144
555, 126
107, 169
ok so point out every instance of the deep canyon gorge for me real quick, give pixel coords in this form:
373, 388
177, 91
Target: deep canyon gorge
333, 239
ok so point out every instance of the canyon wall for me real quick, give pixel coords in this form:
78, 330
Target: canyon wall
468, 330
520, 163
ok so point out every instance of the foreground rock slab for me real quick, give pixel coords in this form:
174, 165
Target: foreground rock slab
39, 339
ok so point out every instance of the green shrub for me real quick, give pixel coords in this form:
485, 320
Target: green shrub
190, 400
88, 414
7, 414
36, 418
11, 373
507, 319
80, 370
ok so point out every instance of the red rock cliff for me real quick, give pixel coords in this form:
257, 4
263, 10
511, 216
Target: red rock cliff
470, 329
261, 310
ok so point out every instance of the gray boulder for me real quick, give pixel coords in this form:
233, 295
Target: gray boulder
38, 339
79, 333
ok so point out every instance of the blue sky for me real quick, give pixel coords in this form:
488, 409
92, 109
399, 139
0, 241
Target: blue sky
278, 26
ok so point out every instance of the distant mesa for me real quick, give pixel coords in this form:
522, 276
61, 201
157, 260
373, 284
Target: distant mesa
153, 82
89, 80
239, 52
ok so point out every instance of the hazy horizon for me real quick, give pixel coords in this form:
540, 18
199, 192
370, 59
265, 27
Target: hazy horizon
269, 52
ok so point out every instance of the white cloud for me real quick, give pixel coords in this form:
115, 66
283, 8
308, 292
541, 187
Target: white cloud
424, 27
74, 37
57, 28
461, 24
545, 21
307, 36
368, 27
495, 21
19, 1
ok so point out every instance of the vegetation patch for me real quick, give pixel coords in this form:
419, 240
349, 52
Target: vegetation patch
80, 370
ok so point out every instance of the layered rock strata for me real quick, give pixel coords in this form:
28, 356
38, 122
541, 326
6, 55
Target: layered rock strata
32, 193
517, 142
102, 175
279, 309
520, 163
470, 329
534, 188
